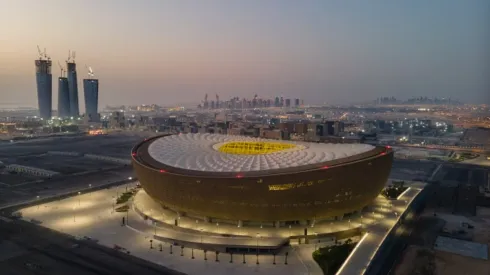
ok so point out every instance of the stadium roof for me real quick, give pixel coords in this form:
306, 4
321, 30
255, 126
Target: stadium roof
225, 153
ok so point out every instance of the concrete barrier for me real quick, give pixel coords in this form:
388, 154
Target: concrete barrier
28, 170
110, 159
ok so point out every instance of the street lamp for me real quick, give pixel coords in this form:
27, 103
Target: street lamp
37, 198
74, 213
201, 234
316, 235
290, 231
258, 235
79, 198
217, 226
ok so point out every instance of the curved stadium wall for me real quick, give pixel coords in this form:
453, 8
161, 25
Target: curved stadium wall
310, 192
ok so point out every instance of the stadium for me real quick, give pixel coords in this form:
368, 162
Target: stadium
238, 179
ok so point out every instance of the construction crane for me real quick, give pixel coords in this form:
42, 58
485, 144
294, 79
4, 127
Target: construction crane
46, 55
73, 55
90, 72
40, 53
61, 68
69, 56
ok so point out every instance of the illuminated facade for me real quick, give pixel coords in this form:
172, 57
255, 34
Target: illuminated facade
313, 191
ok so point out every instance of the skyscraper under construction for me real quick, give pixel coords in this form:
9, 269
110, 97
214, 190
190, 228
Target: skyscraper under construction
44, 80
63, 98
91, 95
71, 67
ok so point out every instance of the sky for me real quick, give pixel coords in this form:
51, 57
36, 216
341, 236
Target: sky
173, 52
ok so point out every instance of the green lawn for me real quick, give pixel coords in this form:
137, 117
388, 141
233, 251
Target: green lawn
124, 197
393, 191
331, 258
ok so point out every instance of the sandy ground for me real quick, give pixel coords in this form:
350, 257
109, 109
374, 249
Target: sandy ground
453, 264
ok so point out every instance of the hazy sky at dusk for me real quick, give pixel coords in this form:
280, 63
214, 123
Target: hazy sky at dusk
169, 52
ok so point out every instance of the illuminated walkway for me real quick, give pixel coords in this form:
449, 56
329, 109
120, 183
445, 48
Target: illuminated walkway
166, 218
93, 215
364, 252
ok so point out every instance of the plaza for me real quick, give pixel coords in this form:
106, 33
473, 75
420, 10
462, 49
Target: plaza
184, 247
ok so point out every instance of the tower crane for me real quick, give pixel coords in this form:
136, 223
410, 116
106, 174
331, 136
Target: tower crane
40, 53
61, 68
90, 72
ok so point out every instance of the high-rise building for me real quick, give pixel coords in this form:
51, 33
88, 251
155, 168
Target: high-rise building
288, 102
91, 95
44, 82
276, 102
73, 88
63, 97
296, 102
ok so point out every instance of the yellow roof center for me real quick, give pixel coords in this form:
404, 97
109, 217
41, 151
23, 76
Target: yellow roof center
254, 147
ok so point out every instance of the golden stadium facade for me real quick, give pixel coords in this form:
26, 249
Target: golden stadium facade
236, 178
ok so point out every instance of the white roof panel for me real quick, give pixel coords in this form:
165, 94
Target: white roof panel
200, 152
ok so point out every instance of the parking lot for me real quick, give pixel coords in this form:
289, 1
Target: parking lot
412, 170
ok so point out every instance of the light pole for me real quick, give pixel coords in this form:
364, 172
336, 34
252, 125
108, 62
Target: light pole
37, 198
316, 235
130, 178
155, 227
257, 248
290, 231
201, 234
74, 213
79, 198
217, 227
90, 187
127, 216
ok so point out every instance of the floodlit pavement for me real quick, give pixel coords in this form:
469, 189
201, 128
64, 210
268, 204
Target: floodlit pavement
93, 215
367, 247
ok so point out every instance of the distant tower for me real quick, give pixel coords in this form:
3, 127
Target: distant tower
206, 104
63, 95
44, 82
71, 67
217, 101
91, 95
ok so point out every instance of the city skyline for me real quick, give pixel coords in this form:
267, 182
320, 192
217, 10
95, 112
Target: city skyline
168, 52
